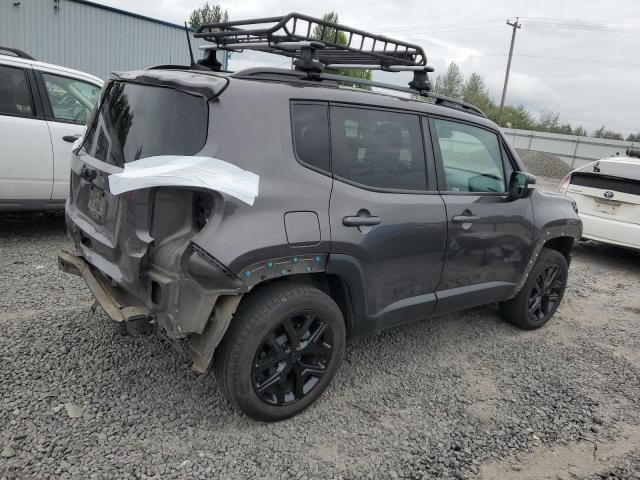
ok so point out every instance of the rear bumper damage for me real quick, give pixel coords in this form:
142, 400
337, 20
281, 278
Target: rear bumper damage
134, 319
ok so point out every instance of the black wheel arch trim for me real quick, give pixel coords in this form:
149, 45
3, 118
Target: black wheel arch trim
547, 235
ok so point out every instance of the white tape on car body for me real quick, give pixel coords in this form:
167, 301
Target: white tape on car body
183, 171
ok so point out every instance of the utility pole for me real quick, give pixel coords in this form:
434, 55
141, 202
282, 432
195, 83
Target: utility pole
516, 25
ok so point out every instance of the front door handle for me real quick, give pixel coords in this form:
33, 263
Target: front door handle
465, 218
361, 221
71, 138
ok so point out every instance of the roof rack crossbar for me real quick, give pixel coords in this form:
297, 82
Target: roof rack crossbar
441, 100
295, 27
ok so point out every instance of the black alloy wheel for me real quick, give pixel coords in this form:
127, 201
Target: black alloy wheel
546, 293
541, 294
292, 359
283, 347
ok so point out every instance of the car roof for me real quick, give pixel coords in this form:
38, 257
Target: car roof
49, 67
377, 97
285, 85
620, 166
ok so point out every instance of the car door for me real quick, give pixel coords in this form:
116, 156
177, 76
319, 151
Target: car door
490, 234
26, 164
388, 223
68, 102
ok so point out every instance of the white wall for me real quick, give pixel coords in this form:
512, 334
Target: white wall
574, 150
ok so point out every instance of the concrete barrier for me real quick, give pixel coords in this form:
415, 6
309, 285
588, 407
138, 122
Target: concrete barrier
575, 151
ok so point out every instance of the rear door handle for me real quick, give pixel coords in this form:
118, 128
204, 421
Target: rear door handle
465, 218
361, 221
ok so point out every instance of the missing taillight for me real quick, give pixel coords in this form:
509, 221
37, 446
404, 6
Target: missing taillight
202, 209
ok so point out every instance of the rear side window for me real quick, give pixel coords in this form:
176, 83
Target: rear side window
139, 121
471, 157
377, 148
15, 98
71, 100
310, 122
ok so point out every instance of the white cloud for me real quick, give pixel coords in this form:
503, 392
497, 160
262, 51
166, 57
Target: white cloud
552, 67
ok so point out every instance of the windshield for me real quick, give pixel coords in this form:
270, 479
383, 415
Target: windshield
138, 121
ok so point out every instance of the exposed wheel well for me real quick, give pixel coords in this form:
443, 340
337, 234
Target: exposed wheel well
562, 245
332, 285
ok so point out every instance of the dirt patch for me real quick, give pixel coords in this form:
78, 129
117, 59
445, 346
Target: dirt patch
565, 462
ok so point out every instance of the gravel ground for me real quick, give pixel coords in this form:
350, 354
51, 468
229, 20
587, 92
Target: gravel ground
544, 164
460, 396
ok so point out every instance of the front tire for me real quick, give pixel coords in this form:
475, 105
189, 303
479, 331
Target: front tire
283, 347
541, 294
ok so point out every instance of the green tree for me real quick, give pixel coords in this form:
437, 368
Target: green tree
451, 84
603, 132
329, 35
634, 137
580, 131
208, 14
475, 92
517, 117
549, 121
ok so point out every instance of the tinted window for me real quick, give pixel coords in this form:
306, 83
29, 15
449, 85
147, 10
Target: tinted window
15, 98
471, 157
71, 100
139, 121
378, 148
310, 124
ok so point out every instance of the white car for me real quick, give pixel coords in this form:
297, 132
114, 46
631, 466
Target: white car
43, 110
607, 193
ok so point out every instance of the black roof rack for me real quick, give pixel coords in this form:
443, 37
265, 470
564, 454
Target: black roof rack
316, 45
14, 52
282, 35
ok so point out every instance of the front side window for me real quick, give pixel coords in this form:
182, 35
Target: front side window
471, 157
377, 148
71, 100
139, 121
15, 98
310, 124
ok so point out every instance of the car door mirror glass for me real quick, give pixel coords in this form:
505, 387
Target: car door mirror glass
519, 183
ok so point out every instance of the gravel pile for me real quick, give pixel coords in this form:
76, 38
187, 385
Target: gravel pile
544, 164
437, 399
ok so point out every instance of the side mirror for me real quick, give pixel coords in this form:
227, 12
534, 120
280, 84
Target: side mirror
519, 184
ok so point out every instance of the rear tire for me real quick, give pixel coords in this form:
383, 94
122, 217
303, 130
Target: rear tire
281, 351
541, 294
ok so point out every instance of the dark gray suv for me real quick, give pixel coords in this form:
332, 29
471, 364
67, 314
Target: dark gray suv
261, 219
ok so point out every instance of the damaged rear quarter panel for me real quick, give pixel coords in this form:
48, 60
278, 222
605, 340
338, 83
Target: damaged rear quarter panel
246, 235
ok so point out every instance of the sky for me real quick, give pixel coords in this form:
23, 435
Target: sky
577, 57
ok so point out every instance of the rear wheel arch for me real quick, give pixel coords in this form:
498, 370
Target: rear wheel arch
562, 244
333, 285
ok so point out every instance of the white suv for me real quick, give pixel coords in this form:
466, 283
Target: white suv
43, 110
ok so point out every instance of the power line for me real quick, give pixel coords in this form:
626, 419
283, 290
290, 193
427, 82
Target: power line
436, 25
613, 62
442, 29
582, 20
545, 57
